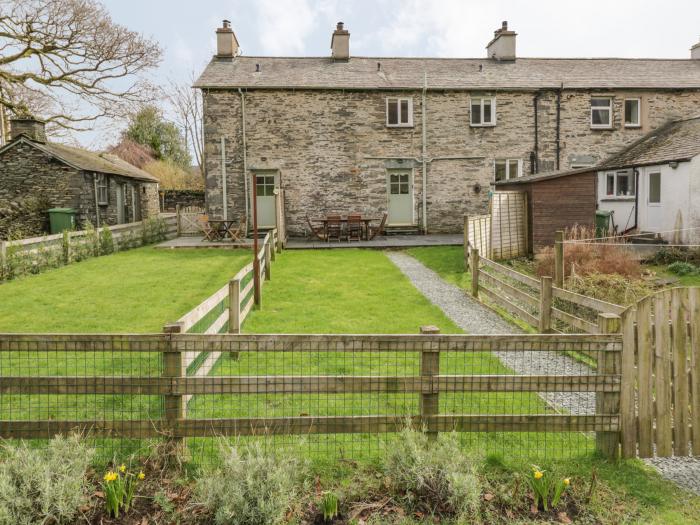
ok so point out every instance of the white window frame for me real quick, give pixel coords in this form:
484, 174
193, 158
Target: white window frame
102, 186
509, 176
638, 124
649, 201
609, 108
481, 100
398, 101
617, 175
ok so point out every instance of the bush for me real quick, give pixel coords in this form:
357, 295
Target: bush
612, 288
43, 485
675, 254
106, 241
683, 268
435, 478
250, 486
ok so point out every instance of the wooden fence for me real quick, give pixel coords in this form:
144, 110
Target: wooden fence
660, 397
537, 302
502, 234
226, 309
432, 379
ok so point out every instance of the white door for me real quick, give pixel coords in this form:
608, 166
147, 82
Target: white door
654, 201
266, 186
400, 197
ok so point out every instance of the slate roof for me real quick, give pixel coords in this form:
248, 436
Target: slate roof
449, 73
546, 175
89, 160
676, 141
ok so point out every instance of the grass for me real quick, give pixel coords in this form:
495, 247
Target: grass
683, 280
135, 291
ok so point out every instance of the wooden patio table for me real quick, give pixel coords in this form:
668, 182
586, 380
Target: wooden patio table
223, 228
344, 220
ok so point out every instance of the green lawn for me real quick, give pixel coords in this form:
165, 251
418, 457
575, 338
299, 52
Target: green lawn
446, 261
133, 291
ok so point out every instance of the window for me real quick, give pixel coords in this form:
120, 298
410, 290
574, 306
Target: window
601, 112
399, 184
620, 184
102, 190
265, 185
654, 188
483, 112
505, 169
632, 112
399, 112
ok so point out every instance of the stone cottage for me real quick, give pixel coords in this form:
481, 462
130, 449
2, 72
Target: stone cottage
423, 139
36, 175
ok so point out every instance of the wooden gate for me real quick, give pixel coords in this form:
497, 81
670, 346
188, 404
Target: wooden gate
660, 397
188, 220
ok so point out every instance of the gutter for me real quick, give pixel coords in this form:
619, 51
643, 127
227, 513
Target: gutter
534, 168
559, 125
245, 156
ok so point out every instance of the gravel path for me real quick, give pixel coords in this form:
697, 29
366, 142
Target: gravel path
474, 318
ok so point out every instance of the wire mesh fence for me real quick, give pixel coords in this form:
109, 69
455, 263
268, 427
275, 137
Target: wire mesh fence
328, 397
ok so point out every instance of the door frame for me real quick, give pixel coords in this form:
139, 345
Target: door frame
262, 172
411, 185
121, 203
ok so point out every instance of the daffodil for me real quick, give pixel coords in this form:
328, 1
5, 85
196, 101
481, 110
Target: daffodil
141, 475
567, 482
122, 468
538, 474
110, 476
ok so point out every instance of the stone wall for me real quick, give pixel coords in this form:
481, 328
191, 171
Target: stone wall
171, 198
332, 148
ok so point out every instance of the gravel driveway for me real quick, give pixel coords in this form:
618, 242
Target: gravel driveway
474, 318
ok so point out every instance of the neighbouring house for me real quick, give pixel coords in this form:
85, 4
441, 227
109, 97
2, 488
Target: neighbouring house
36, 175
654, 185
556, 200
420, 138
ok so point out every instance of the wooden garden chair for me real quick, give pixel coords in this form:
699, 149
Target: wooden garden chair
354, 229
236, 233
378, 230
318, 231
210, 234
334, 228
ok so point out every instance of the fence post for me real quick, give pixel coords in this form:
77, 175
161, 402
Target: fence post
545, 325
466, 243
178, 220
608, 362
268, 263
559, 259
3, 257
234, 306
273, 244
174, 404
475, 272
429, 368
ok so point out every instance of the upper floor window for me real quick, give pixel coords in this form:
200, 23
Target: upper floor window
633, 112
399, 112
505, 169
102, 189
620, 184
601, 112
483, 111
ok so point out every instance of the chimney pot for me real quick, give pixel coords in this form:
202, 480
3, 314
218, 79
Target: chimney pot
30, 127
226, 41
340, 43
695, 52
502, 47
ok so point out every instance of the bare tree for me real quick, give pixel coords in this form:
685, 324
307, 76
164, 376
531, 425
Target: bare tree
68, 62
186, 103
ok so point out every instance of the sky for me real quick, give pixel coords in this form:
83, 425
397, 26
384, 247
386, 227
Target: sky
448, 28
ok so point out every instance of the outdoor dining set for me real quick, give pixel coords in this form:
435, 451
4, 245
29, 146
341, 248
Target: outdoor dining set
351, 227
222, 229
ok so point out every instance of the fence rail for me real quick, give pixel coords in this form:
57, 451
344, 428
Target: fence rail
536, 301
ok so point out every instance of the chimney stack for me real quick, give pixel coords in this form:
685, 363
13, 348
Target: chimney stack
695, 52
226, 41
502, 47
29, 127
340, 43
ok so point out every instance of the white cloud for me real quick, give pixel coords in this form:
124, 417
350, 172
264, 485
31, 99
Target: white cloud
284, 26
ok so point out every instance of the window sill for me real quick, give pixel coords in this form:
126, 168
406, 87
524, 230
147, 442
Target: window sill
602, 128
482, 125
618, 199
632, 126
103, 203
399, 125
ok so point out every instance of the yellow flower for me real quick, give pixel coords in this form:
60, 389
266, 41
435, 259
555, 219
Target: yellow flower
110, 476
141, 475
567, 482
538, 474
122, 468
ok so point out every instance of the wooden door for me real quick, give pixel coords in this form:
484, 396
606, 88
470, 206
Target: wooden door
266, 186
400, 188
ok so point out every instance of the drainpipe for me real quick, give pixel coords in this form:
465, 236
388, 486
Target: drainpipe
425, 154
97, 201
223, 178
535, 167
245, 156
559, 123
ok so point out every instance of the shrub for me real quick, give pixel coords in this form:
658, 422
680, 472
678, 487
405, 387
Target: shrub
106, 241
675, 254
43, 485
250, 486
432, 477
683, 268
612, 288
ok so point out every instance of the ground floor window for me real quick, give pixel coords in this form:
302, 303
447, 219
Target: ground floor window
620, 184
505, 169
654, 188
102, 190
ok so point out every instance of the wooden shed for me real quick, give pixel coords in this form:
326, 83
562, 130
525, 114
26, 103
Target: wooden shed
556, 201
